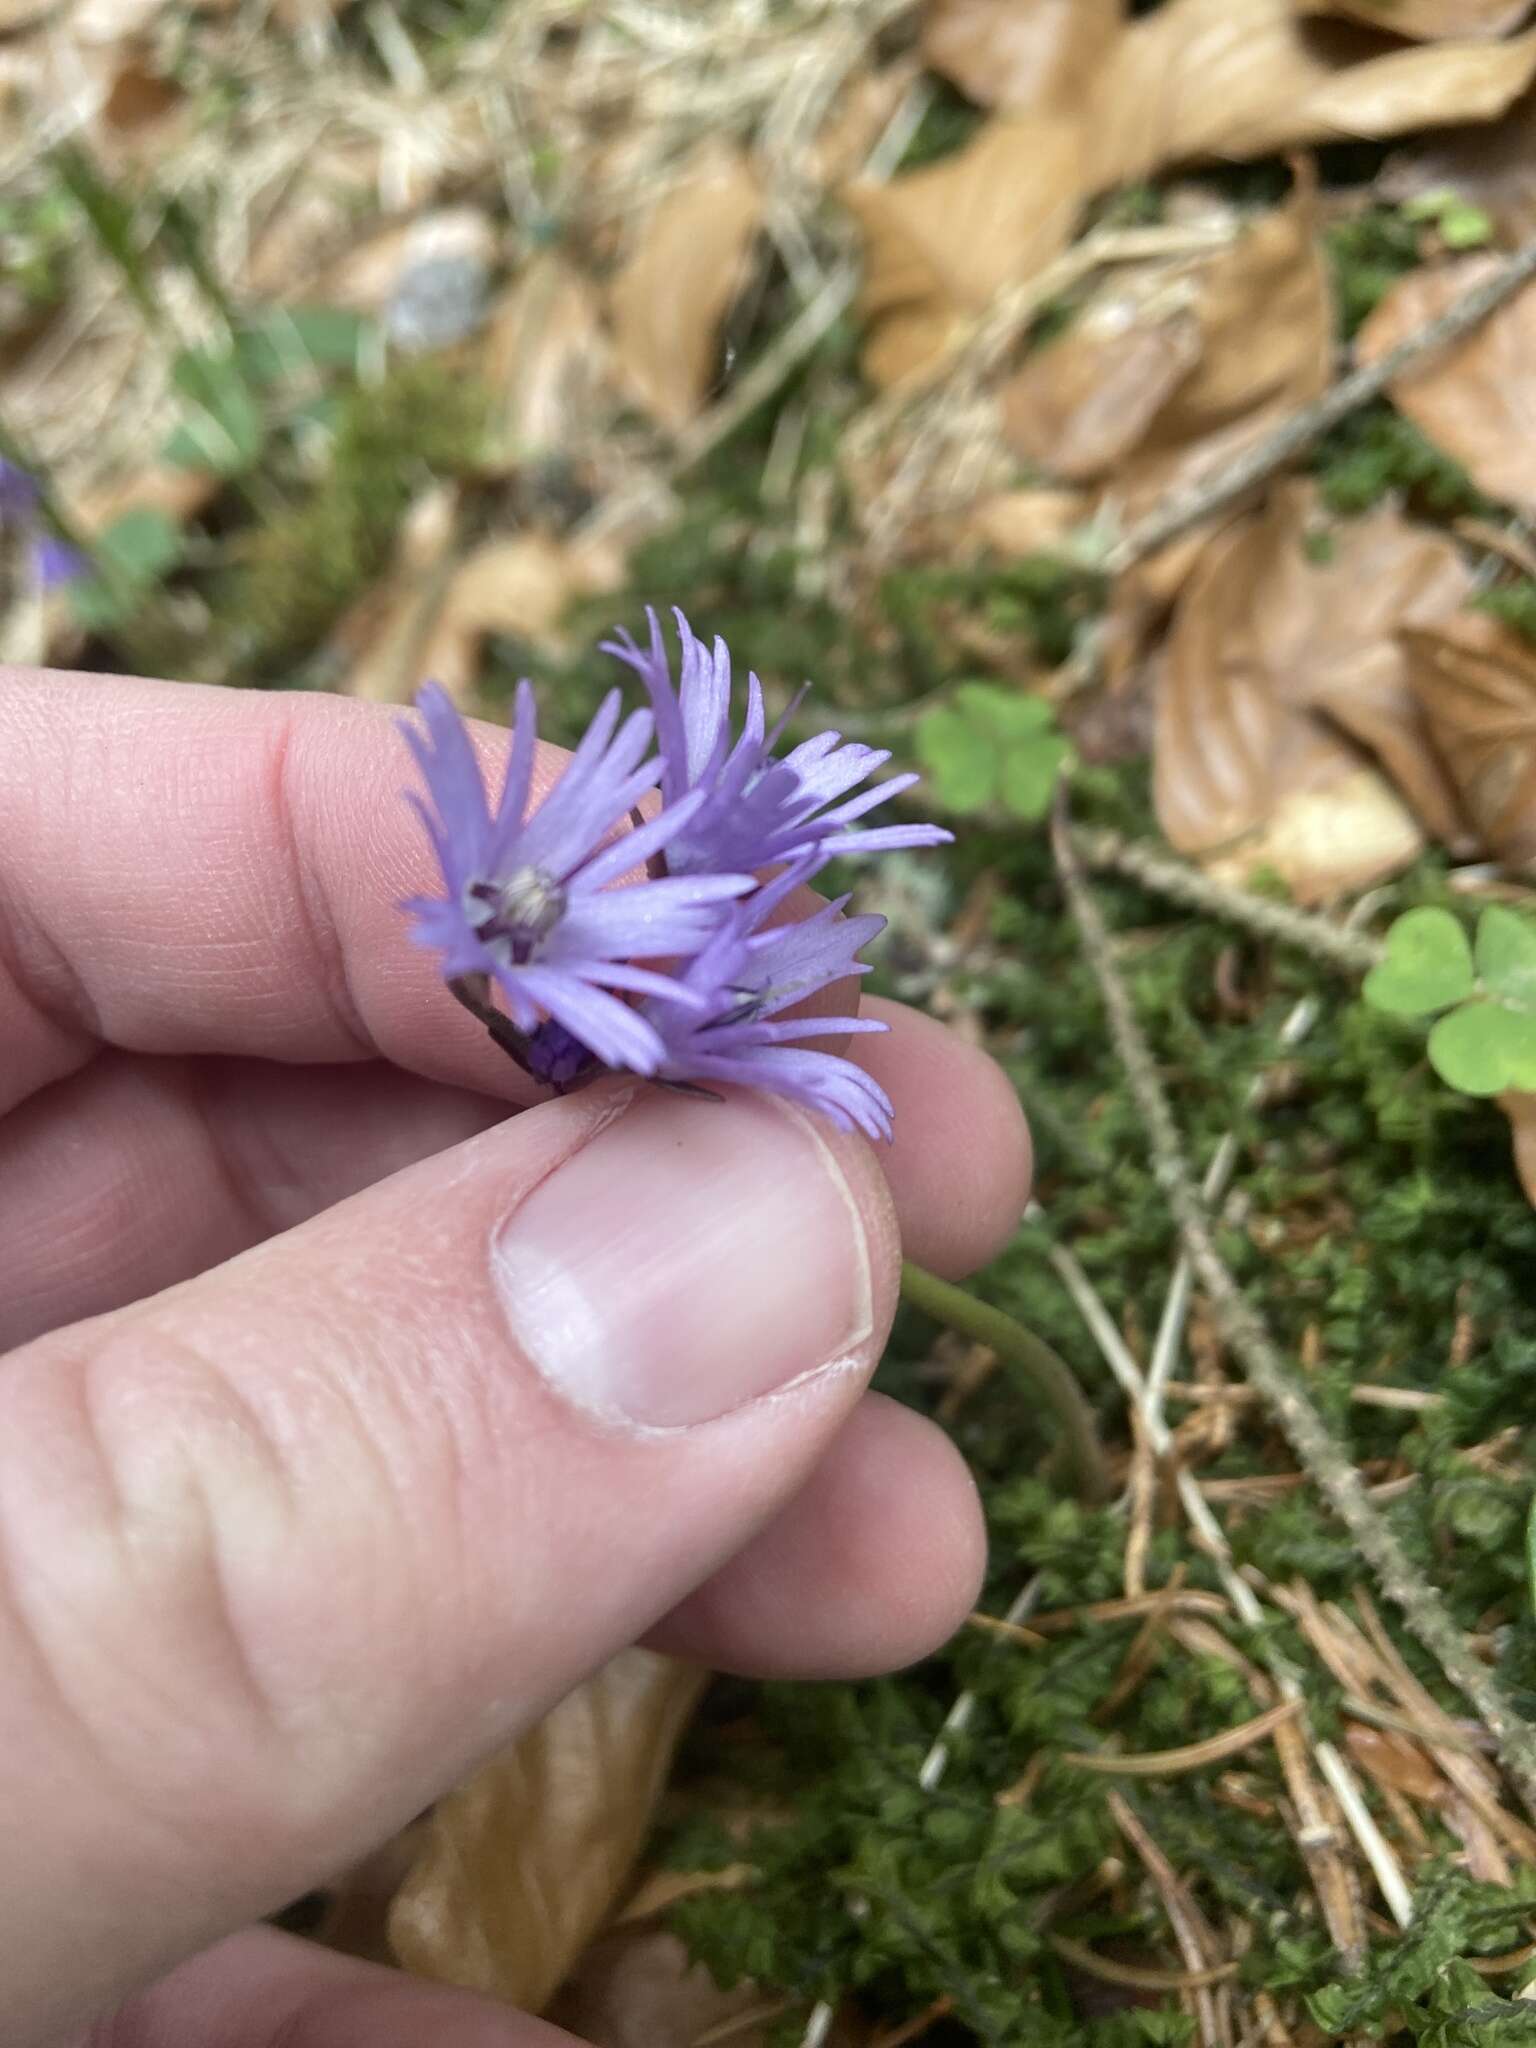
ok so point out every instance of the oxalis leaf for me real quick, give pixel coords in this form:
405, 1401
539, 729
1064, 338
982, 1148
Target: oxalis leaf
1428, 966
992, 746
1483, 1049
1506, 956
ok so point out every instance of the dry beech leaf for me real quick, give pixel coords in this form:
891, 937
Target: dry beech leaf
1245, 774
1428, 20
1245, 77
686, 266
1024, 522
1079, 405
1020, 54
1477, 400
546, 358
1396, 1762
1265, 332
635, 1988
522, 1864
858, 117
1327, 632
1521, 1111
1476, 681
1492, 167
940, 243
179, 493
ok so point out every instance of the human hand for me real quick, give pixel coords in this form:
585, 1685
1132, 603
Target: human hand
351, 1419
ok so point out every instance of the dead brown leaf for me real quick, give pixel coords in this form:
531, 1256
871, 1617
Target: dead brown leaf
1477, 400
686, 266
635, 1988
523, 1862
432, 614
1428, 20
1396, 1761
1024, 522
546, 358
1264, 320
858, 116
1492, 167
1020, 54
1328, 632
1521, 1111
1204, 78
1078, 406
941, 242
1282, 678
1476, 681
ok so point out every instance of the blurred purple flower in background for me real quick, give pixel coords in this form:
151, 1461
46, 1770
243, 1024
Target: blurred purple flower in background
18, 493
681, 976
54, 562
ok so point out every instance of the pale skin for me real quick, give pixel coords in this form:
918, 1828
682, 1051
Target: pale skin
303, 1509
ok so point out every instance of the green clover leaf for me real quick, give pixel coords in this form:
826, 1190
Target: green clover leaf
1483, 1049
1428, 966
992, 746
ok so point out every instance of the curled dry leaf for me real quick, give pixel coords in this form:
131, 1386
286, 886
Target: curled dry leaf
1282, 679
1020, 54
1475, 680
1078, 406
686, 266
857, 118
521, 1865
1024, 522
1477, 400
546, 359
1492, 167
940, 243
1179, 371
1521, 1110
1328, 632
433, 614
1203, 78
1428, 21
636, 1988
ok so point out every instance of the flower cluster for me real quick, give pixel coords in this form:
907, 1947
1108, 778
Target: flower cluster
686, 975
53, 562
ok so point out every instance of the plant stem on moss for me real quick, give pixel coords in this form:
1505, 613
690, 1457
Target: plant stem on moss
1030, 1357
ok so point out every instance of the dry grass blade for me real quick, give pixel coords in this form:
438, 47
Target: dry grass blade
1086, 1959
1190, 1756
1193, 1933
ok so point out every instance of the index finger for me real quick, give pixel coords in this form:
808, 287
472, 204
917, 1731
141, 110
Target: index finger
199, 870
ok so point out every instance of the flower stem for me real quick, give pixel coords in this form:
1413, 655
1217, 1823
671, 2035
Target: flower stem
1030, 1356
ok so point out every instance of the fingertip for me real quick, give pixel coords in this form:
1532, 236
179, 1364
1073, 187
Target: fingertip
874, 1564
961, 1162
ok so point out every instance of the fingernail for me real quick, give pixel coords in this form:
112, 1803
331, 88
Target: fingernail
692, 1257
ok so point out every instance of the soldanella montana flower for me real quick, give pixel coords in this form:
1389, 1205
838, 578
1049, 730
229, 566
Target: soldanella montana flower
685, 973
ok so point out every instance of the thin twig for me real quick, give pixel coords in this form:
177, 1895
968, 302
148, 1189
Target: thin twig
1189, 505
1318, 936
1048, 1377
1316, 1448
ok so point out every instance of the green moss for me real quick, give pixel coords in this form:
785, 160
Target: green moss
1513, 603
1368, 252
1377, 450
296, 573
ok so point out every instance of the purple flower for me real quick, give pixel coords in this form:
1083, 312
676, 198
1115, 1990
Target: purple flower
756, 810
18, 492
525, 900
55, 563
745, 977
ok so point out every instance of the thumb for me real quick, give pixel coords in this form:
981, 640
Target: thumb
285, 1549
